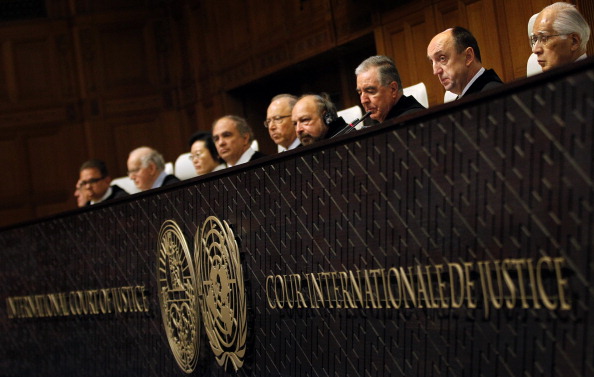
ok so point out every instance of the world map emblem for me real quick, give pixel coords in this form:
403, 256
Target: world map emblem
176, 282
221, 286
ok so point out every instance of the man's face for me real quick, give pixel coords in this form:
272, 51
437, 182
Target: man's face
201, 158
374, 97
143, 176
229, 142
449, 66
280, 126
307, 122
92, 184
558, 50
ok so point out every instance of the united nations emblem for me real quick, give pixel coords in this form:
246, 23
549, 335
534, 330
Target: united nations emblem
220, 284
176, 281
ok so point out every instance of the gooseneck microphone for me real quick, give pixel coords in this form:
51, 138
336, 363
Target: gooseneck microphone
351, 127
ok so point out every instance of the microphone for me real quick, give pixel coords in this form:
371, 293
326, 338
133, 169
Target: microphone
351, 127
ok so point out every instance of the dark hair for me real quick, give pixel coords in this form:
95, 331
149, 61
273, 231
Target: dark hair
326, 109
95, 164
464, 39
208, 143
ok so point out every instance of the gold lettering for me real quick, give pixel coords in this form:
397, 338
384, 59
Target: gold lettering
456, 270
510, 301
496, 299
441, 286
408, 287
395, 303
422, 289
531, 274
519, 263
279, 281
562, 284
318, 295
356, 284
346, 295
470, 303
369, 291
546, 300
268, 284
430, 287
299, 295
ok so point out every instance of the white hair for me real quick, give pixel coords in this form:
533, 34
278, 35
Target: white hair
569, 20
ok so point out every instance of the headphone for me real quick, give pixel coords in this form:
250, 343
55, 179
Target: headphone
328, 118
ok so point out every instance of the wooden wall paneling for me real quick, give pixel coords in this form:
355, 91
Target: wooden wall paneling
54, 169
310, 28
133, 131
405, 40
482, 23
7, 78
268, 27
351, 19
127, 61
233, 31
15, 189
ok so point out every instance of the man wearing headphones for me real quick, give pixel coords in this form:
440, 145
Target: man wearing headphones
315, 119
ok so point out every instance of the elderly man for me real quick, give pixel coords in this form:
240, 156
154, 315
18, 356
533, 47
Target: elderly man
315, 119
93, 185
279, 124
146, 167
380, 89
456, 60
233, 136
559, 36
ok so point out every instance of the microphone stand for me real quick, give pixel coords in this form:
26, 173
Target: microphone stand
351, 127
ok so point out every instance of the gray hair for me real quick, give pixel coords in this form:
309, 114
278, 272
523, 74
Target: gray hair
242, 125
569, 20
291, 99
386, 69
154, 157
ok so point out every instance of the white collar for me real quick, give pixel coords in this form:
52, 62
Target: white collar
478, 74
105, 196
293, 145
159, 181
245, 157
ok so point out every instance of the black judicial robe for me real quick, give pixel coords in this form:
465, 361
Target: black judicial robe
486, 81
405, 105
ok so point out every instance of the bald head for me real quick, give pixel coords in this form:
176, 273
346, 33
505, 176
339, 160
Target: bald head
144, 166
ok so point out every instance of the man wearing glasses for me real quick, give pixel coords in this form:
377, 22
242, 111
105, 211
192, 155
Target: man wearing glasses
456, 60
93, 185
559, 36
279, 124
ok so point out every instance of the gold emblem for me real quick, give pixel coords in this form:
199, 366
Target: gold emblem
220, 283
176, 281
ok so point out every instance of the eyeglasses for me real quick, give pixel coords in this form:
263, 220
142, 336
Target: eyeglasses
194, 156
276, 120
133, 171
90, 181
542, 38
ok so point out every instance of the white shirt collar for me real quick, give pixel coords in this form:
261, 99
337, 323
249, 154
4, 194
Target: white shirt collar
294, 145
105, 196
159, 181
245, 157
478, 74
582, 57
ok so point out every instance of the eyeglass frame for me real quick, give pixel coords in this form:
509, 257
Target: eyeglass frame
276, 120
193, 156
543, 38
90, 181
